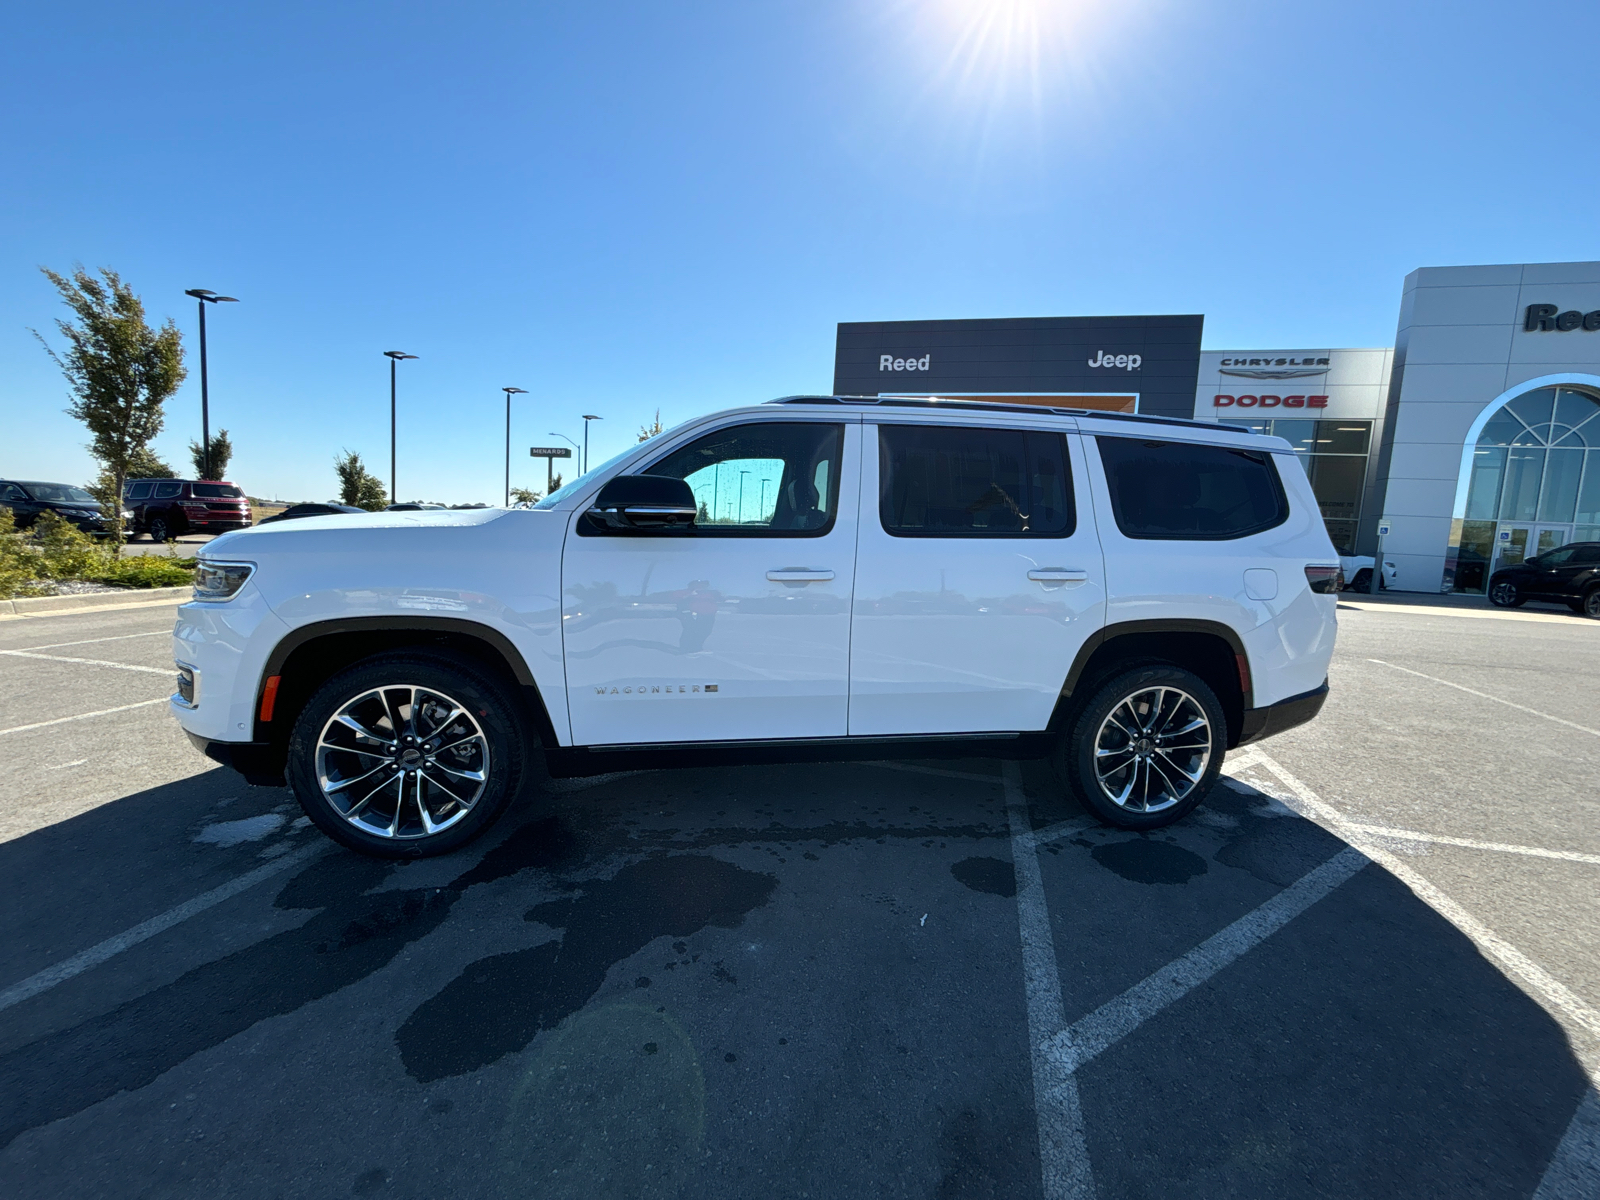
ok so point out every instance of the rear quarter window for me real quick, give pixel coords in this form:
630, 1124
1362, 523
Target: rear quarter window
1181, 491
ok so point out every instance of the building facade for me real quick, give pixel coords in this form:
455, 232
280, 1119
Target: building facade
1477, 435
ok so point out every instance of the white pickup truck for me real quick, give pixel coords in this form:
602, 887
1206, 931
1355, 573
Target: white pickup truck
813, 577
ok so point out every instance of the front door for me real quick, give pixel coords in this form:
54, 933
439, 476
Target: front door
978, 579
738, 628
1515, 544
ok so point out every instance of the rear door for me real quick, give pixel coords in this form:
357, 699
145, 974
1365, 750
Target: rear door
978, 579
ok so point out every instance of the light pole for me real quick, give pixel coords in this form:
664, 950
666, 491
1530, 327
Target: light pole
587, 417
742, 474
549, 462
510, 392
394, 357
763, 507
205, 296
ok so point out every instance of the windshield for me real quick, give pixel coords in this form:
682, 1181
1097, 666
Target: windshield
567, 489
60, 493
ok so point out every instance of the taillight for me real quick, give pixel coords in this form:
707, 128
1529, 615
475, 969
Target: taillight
1325, 579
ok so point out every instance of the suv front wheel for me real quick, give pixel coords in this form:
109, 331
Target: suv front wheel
407, 755
1146, 748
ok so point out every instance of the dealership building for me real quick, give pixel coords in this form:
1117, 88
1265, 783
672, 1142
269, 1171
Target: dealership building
1477, 435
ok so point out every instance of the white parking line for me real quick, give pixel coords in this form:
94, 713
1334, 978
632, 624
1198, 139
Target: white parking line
1486, 696
48, 978
1063, 1150
1533, 977
1114, 1020
1412, 835
103, 712
121, 637
88, 662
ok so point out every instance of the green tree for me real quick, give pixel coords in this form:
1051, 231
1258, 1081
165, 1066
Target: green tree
357, 485
221, 455
119, 371
144, 464
646, 432
521, 495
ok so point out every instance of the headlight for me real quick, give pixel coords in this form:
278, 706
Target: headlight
220, 581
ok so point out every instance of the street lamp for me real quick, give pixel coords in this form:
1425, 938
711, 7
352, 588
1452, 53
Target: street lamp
742, 474
510, 392
394, 357
205, 296
587, 417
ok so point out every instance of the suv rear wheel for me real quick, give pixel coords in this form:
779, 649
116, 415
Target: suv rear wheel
407, 755
1146, 748
159, 530
1589, 606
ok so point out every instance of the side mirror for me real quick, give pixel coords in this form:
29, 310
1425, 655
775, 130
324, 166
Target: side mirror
645, 502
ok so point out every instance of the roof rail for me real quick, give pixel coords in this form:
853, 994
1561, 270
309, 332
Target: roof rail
989, 406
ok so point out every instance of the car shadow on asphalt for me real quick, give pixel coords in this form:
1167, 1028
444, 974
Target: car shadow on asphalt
1365, 1047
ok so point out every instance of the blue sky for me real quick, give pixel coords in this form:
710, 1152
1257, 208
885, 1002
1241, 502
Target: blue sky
629, 207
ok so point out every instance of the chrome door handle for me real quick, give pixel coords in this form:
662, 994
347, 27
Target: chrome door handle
1058, 575
799, 575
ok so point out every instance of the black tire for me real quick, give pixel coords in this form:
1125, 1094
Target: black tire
159, 530
487, 710
1088, 777
1589, 606
1506, 594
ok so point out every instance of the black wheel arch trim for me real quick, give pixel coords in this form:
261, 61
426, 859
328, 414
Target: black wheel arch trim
487, 634
1110, 633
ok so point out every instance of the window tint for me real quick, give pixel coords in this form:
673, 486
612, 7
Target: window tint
960, 481
216, 491
10, 491
138, 491
1589, 553
765, 478
1178, 490
167, 489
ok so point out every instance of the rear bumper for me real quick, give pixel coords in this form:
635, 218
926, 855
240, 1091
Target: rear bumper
1262, 723
261, 763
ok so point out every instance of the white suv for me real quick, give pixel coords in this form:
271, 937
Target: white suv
814, 577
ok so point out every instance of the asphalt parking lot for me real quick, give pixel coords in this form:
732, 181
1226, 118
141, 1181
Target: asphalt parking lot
1368, 966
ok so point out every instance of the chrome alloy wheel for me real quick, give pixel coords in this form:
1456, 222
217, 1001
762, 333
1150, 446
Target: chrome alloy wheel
1152, 749
402, 762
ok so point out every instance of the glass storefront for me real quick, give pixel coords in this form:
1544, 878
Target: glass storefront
1334, 455
1534, 484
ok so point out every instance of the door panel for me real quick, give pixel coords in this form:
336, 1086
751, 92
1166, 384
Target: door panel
966, 630
738, 630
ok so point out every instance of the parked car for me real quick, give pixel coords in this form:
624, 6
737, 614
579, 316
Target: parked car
819, 577
27, 498
169, 508
1357, 570
1567, 575
295, 511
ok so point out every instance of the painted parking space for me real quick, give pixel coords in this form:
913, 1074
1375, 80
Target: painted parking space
807, 980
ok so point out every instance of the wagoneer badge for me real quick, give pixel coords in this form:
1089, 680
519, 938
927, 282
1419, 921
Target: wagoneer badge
656, 689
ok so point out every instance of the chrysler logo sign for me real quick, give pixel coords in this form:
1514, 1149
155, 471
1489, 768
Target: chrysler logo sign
1545, 318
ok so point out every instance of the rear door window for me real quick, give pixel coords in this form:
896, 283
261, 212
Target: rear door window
965, 481
168, 490
1180, 491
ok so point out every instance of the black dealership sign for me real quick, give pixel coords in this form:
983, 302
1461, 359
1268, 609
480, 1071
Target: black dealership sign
1547, 318
1157, 357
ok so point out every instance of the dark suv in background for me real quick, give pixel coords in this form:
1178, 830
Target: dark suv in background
167, 508
27, 498
1568, 575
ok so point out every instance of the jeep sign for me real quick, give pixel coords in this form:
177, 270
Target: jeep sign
1128, 362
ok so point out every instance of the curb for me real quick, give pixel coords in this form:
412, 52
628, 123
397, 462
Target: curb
30, 605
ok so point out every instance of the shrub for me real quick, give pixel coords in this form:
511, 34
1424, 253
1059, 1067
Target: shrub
55, 549
146, 571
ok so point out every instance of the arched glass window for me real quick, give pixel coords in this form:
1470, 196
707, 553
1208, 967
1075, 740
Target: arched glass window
1536, 464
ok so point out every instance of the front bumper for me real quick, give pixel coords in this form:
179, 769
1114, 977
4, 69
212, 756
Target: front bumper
1265, 722
261, 763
